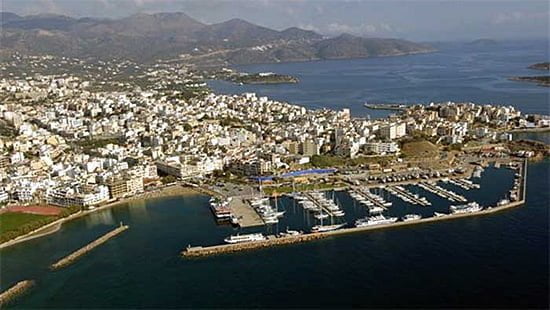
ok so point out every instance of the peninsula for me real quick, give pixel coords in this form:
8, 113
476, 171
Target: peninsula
540, 66
265, 78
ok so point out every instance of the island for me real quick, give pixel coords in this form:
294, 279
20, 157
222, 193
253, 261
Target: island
542, 80
540, 66
264, 78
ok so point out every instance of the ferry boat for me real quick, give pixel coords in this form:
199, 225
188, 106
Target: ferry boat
375, 220
244, 238
411, 217
323, 228
466, 208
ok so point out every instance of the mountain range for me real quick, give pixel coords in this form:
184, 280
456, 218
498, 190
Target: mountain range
149, 37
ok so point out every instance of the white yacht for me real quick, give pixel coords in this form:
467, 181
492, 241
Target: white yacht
411, 217
466, 208
323, 228
375, 220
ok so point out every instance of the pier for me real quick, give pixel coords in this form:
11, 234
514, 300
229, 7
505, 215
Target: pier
318, 204
272, 241
13, 292
247, 216
406, 196
67, 260
464, 184
452, 196
368, 196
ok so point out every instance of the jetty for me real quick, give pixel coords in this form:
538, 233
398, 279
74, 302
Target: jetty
67, 260
17, 290
272, 241
407, 196
367, 195
319, 205
440, 191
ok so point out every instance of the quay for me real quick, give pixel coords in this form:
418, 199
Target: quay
243, 211
67, 260
17, 290
271, 241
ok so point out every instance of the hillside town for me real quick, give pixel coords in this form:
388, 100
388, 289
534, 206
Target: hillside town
66, 141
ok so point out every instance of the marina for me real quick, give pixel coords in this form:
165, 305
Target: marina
67, 260
376, 220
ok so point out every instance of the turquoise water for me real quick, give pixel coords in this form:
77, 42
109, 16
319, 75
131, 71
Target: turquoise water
499, 260
456, 72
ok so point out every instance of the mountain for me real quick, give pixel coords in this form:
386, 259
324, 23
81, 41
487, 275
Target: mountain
483, 42
149, 37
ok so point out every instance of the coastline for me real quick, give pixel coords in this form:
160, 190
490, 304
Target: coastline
50, 228
538, 129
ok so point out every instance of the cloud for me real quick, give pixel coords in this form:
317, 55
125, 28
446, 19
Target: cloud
517, 17
363, 29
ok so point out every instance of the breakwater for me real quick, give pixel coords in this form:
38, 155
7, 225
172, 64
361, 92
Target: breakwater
15, 291
67, 260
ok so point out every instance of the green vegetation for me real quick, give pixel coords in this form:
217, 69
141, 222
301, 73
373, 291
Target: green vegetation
419, 149
327, 161
301, 187
13, 224
12, 221
168, 179
265, 79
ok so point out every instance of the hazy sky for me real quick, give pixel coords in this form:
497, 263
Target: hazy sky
409, 19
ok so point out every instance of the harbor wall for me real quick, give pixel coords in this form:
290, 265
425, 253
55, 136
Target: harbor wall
67, 260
